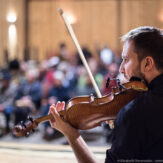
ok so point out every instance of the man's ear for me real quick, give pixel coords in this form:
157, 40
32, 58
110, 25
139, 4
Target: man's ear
148, 63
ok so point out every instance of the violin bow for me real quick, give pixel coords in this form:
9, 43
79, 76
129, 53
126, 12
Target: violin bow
72, 34
24, 128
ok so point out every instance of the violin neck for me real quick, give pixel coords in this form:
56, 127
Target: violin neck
43, 119
49, 117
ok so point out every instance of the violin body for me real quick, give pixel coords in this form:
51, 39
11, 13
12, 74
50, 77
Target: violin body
87, 112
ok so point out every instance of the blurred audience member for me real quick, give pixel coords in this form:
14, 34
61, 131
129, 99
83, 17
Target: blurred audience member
84, 85
57, 93
94, 67
7, 94
14, 65
28, 96
63, 52
16, 71
106, 55
58, 90
87, 53
70, 78
49, 67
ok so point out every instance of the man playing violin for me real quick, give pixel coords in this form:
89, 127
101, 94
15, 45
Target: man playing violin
138, 133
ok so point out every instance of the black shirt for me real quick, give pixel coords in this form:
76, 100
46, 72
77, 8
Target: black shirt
138, 132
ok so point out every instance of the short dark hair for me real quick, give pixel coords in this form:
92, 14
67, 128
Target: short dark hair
148, 41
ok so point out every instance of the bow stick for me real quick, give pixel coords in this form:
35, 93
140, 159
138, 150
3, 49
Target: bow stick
79, 51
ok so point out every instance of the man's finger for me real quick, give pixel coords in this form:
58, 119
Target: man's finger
53, 111
58, 106
62, 106
53, 119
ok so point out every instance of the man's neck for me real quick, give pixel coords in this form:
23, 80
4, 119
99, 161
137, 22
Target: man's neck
152, 75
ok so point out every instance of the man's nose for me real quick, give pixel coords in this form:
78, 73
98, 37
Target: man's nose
121, 68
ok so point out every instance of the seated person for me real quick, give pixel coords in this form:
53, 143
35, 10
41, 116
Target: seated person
28, 96
58, 92
7, 94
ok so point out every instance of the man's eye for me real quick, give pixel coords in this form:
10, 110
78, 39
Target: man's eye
125, 60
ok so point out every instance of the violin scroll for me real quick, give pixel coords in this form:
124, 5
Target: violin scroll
24, 129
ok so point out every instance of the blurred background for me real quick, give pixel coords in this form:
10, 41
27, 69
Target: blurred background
40, 65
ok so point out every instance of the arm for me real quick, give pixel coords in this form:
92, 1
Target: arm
80, 148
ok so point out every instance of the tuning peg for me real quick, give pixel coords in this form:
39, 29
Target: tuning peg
22, 124
30, 118
27, 134
107, 82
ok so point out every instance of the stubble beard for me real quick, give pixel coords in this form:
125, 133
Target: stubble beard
137, 73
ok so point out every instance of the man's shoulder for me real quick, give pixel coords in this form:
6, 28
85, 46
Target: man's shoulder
134, 107
144, 104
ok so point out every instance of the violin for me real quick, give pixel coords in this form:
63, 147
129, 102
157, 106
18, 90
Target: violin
87, 112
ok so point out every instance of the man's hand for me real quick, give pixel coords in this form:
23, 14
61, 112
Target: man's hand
59, 124
80, 148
